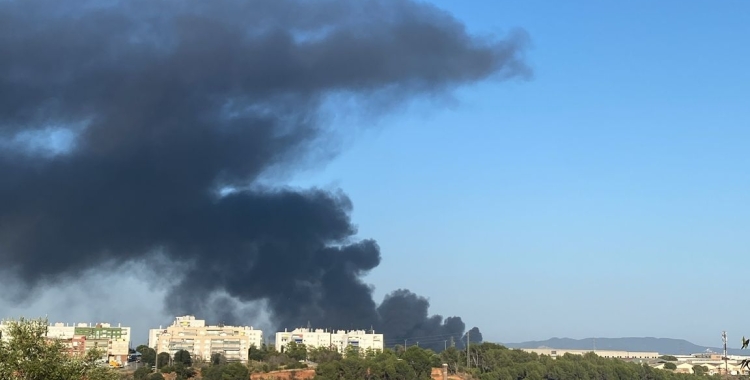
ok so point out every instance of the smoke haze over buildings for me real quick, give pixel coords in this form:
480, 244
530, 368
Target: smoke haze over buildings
139, 130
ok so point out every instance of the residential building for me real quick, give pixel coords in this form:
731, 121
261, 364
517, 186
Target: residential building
339, 340
80, 338
4, 337
115, 341
306, 336
202, 341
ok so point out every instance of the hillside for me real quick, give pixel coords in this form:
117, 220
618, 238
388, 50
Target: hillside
660, 345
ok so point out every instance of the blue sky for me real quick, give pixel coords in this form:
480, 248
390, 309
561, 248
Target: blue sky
607, 196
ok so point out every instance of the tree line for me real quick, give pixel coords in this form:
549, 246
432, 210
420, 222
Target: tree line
492, 361
29, 355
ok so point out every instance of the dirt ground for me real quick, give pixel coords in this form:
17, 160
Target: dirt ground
292, 374
438, 375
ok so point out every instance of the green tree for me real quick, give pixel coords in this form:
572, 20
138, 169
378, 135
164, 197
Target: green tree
183, 356
141, 373
230, 371
148, 354
419, 360
257, 354
218, 359
670, 366
354, 367
163, 359
183, 372
700, 370
452, 357
29, 355
296, 351
490, 362
235, 371
94, 354
323, 354
668, 357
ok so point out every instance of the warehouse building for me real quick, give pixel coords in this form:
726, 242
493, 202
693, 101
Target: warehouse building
612, 354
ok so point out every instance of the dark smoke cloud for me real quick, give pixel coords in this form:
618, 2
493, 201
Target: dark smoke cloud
164, 104
405, 315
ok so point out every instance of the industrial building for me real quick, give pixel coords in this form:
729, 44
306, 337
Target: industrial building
339, 340
713, 363
554, 352
201, 341
79, 338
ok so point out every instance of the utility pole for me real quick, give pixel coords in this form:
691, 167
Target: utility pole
156, 354
726, 358
468, 363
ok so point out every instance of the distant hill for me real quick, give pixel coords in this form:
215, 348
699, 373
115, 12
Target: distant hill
666, 346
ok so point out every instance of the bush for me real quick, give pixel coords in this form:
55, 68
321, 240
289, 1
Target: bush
141, 373
231, 371
183, 372
296, 365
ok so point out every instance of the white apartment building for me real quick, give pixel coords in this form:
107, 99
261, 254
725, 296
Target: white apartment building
79, 338
340, 339
4, 337
192, 335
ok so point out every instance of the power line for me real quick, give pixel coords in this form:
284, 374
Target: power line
423, 337
413, 340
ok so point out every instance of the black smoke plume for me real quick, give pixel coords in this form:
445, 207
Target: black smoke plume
136, 129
